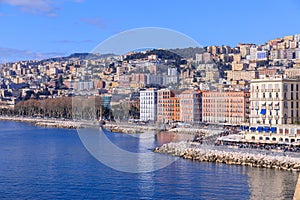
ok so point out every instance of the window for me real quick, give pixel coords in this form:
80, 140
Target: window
285, 87
264, 95
292, 87
277, 96
297, 87
270, 86
285, 119
292, 104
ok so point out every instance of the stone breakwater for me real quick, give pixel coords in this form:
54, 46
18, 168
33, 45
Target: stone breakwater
207, 154
54, 123
129, 129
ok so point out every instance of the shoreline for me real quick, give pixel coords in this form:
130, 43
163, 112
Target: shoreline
263, 159
72, 124
44, 122
120, 127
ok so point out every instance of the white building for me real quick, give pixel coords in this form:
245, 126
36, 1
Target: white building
274, 104
148, 104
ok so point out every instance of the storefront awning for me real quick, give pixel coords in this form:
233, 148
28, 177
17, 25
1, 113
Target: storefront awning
263, 111
260, 129
273, 129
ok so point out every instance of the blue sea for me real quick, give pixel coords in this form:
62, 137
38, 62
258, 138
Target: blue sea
50, 163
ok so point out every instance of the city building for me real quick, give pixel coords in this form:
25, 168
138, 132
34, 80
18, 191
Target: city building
241, 75
274, 109
168, 106
148, 104
191, 106
230, 107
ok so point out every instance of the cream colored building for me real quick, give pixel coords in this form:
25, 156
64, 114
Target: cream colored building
241, 75
274, 105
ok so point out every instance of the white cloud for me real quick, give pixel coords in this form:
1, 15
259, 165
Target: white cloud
10, 54
47, 7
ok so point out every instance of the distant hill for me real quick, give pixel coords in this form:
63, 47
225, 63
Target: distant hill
161, 53
188, 52
170, 54
79, 56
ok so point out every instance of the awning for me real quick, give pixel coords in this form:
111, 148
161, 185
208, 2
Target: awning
273, 129
266, 129
260, 129
253, 129
263, 111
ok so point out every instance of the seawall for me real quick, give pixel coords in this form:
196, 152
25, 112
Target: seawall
208, 154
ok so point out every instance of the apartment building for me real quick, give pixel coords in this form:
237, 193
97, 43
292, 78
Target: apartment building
225, 107
168, 106
148, 104
191, 106
274, 100
274, 109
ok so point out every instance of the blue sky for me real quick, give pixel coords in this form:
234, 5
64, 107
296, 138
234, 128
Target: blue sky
45, 28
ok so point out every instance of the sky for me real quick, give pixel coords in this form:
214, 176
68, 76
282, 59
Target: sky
37, 29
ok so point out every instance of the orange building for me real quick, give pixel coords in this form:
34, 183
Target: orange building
225, 107
168, 106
